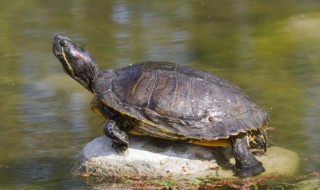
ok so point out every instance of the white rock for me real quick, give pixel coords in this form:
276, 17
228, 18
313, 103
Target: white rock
155, 158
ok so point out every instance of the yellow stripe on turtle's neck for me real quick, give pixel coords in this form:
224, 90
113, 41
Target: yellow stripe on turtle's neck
65, 59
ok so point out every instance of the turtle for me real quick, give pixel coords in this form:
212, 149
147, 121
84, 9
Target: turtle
169, 101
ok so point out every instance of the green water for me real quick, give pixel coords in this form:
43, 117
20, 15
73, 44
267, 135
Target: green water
269, 48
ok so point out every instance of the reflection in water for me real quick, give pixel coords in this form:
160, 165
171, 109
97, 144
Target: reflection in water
157, 31
75, 110
38, 97
52, 117
151, 31
121, 14
310, 156
52, 128
244, 29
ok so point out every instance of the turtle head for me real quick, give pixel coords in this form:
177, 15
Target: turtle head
76, 61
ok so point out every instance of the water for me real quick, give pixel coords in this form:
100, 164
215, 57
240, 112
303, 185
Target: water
269, 48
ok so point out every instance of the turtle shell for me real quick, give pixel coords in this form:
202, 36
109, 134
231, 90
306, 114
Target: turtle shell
172, 101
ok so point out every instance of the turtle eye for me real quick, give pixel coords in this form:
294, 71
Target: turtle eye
63, 43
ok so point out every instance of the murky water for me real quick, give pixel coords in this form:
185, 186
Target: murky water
268, 48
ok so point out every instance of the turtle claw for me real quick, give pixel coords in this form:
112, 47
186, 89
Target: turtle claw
258, 152
121, 149
250, 172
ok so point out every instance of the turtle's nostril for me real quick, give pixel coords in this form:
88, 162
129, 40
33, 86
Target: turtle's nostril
63, 43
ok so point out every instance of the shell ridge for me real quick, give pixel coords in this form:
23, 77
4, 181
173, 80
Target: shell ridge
152, 90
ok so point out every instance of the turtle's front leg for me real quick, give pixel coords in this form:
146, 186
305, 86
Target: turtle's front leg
246, 164
97, 107
119, 138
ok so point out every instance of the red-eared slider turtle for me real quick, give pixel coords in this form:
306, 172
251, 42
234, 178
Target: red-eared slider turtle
169, 101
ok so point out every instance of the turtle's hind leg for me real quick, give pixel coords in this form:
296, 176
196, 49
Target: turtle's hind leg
246, 163
258, 139
119, 138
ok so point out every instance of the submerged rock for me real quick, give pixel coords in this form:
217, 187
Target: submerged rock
160, 159
309, 184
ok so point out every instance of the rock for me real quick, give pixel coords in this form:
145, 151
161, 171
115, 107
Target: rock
160, 159
309, 184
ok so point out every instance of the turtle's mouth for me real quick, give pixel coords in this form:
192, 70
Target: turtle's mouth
56, 49
56, 52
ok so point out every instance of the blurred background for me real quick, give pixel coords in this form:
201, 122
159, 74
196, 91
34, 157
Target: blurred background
268, 48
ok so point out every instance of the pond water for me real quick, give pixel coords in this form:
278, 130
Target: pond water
268, 48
